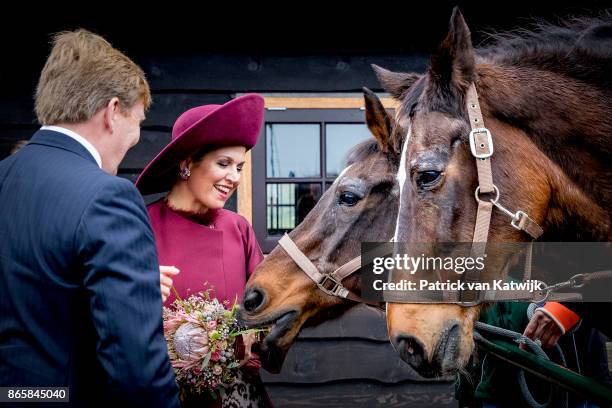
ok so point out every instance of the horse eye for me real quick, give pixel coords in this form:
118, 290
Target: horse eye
349, 199
427, 179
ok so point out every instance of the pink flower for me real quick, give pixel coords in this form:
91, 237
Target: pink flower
217, 370
212, 325
172, 324
201, 340
216, 356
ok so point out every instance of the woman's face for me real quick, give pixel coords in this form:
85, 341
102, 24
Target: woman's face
214, 178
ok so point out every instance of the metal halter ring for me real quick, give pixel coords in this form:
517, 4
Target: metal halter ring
546, 294
516, 217
578, 281
495, 189
334, 289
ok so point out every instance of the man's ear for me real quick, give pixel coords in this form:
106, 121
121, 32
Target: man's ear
110, 114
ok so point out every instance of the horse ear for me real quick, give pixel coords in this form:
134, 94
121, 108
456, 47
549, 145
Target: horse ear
396, 83
453, 63
378, 120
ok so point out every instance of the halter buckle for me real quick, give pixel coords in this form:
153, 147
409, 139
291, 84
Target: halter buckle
332, 287
479, 149
469, 298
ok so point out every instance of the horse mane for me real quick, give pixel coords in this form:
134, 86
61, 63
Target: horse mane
362, 151
578, 48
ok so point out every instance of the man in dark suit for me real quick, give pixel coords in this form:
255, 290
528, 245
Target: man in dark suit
80, 302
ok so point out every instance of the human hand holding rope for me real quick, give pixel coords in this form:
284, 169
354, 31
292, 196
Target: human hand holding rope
541, 327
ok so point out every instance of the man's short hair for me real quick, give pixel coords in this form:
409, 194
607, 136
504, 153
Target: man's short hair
82, 74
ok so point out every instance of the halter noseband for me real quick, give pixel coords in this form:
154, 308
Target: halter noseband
329, 283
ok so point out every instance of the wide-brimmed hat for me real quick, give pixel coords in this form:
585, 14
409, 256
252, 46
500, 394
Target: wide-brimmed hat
235, 123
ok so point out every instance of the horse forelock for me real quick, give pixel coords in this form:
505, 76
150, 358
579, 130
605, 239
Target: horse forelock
362, 151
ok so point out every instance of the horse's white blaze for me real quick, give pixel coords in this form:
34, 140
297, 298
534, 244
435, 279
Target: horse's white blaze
401, 179
341, 174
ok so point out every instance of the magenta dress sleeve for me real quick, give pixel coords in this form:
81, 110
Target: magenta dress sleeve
254, 257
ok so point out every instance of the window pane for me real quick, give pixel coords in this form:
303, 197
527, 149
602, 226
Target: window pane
292, 150
288, 204
339, 140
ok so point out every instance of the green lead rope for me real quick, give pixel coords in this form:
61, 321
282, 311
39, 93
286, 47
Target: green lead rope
539, 364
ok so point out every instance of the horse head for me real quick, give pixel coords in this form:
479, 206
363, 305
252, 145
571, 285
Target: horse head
361, 205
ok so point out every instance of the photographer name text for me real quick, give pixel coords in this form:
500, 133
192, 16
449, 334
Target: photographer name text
422, 284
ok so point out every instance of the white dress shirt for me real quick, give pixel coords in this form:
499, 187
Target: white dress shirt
84, 142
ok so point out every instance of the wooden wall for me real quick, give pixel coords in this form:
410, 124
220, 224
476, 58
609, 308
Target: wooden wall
349, 361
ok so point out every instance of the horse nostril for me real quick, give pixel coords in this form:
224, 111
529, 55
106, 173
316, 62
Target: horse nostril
450, 344
411, 350
253, 299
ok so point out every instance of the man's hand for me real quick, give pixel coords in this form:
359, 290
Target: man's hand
165, 280
248, 339
543, 328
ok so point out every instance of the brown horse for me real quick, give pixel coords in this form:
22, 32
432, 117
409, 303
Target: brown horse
361, 205
545, 95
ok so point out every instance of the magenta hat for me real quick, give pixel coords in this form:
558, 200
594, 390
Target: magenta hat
235, 123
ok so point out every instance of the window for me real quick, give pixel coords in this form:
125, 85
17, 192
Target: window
298, 156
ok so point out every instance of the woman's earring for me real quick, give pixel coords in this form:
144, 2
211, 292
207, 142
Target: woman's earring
185, 173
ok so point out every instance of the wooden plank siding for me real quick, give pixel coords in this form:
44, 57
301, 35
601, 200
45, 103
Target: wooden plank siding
273, 73
346, 361
349, 361
363, 394
353, 346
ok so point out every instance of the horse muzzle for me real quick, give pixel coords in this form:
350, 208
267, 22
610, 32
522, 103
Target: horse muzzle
443, 360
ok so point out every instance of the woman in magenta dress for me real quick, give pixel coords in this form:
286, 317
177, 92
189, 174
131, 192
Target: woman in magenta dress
200, 168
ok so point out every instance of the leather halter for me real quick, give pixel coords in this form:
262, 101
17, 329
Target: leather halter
481, 146
330, 283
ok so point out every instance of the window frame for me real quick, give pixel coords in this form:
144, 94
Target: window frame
259, 159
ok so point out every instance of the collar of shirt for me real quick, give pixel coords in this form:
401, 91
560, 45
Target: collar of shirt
86, 144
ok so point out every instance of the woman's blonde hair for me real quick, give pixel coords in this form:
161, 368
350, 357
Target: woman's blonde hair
82, 74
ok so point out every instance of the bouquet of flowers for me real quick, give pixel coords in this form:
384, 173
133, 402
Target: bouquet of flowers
201, 333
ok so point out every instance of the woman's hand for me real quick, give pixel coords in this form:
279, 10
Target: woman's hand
165, 279
248, 339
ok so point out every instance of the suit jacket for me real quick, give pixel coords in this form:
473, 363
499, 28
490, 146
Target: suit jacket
80, 304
